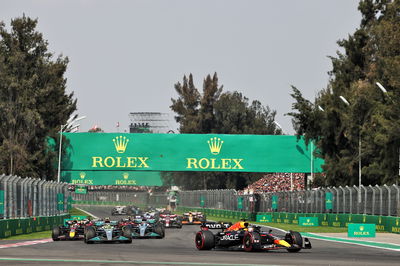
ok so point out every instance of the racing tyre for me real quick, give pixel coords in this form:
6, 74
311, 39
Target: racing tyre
55, 233
89, 234
295, 238
159, 229
127, 232
205, 240
252, 241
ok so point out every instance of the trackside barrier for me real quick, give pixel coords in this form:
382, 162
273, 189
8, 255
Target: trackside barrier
12, 227
382, 223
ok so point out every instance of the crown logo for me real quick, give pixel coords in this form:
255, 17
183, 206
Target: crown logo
215, 145
82, 175
125, 175
120, 143
361, 228
308, 220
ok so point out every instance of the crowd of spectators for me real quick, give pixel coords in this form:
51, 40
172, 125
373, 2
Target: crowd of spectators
274, 182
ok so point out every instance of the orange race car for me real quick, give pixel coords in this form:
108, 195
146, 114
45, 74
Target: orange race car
193, 218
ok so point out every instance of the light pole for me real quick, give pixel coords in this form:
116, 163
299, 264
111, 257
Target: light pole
278, 125
385, 92
62, 127
359, 154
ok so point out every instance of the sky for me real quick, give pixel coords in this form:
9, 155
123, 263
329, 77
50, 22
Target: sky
126, 55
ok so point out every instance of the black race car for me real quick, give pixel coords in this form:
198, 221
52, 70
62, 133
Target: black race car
71, 230
247, 237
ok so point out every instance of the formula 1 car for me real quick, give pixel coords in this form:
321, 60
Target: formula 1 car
71, 230
170, 220
107, 231
119, 210
193, 218
248, 238
145, 228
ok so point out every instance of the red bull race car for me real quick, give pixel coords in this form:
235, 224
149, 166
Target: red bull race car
243, 236
193, 218
72, 229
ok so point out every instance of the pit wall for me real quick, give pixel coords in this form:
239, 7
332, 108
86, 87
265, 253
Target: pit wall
12, 227
383, 223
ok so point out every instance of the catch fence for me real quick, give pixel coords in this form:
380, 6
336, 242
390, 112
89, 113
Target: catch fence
27, 197
374, 200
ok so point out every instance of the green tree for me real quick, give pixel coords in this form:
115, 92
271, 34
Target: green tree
215, 111
33, 101
371, 54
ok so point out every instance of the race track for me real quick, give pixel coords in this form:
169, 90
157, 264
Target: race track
178, 248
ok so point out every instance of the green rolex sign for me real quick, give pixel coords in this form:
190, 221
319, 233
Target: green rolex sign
274, 202
361, 230
111, 159
80, 190
328, 201
60, 201
308, 221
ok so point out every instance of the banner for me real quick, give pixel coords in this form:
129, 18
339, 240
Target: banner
328, 200
361, 230
308, 221
60, 201
202, 201
80, 190
116, 178
274, 202
187, 152
240, 203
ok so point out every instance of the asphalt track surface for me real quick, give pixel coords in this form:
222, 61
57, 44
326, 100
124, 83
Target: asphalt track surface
178, 248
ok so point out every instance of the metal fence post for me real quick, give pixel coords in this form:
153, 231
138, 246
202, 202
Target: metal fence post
344, 199
380, 199
397, 199
389, 200
337, 199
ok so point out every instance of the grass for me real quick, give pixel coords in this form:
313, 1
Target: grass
36, 235
75, 211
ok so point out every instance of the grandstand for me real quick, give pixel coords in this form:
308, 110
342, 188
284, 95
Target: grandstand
274, 182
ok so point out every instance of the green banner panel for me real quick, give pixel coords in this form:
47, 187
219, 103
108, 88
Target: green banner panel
308, 221
171, 152
264, 218
361, 230
60, 201
202, 201
80, 190
274, 205
328, 201
117, 178
393, 224
240, 203
1, 202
